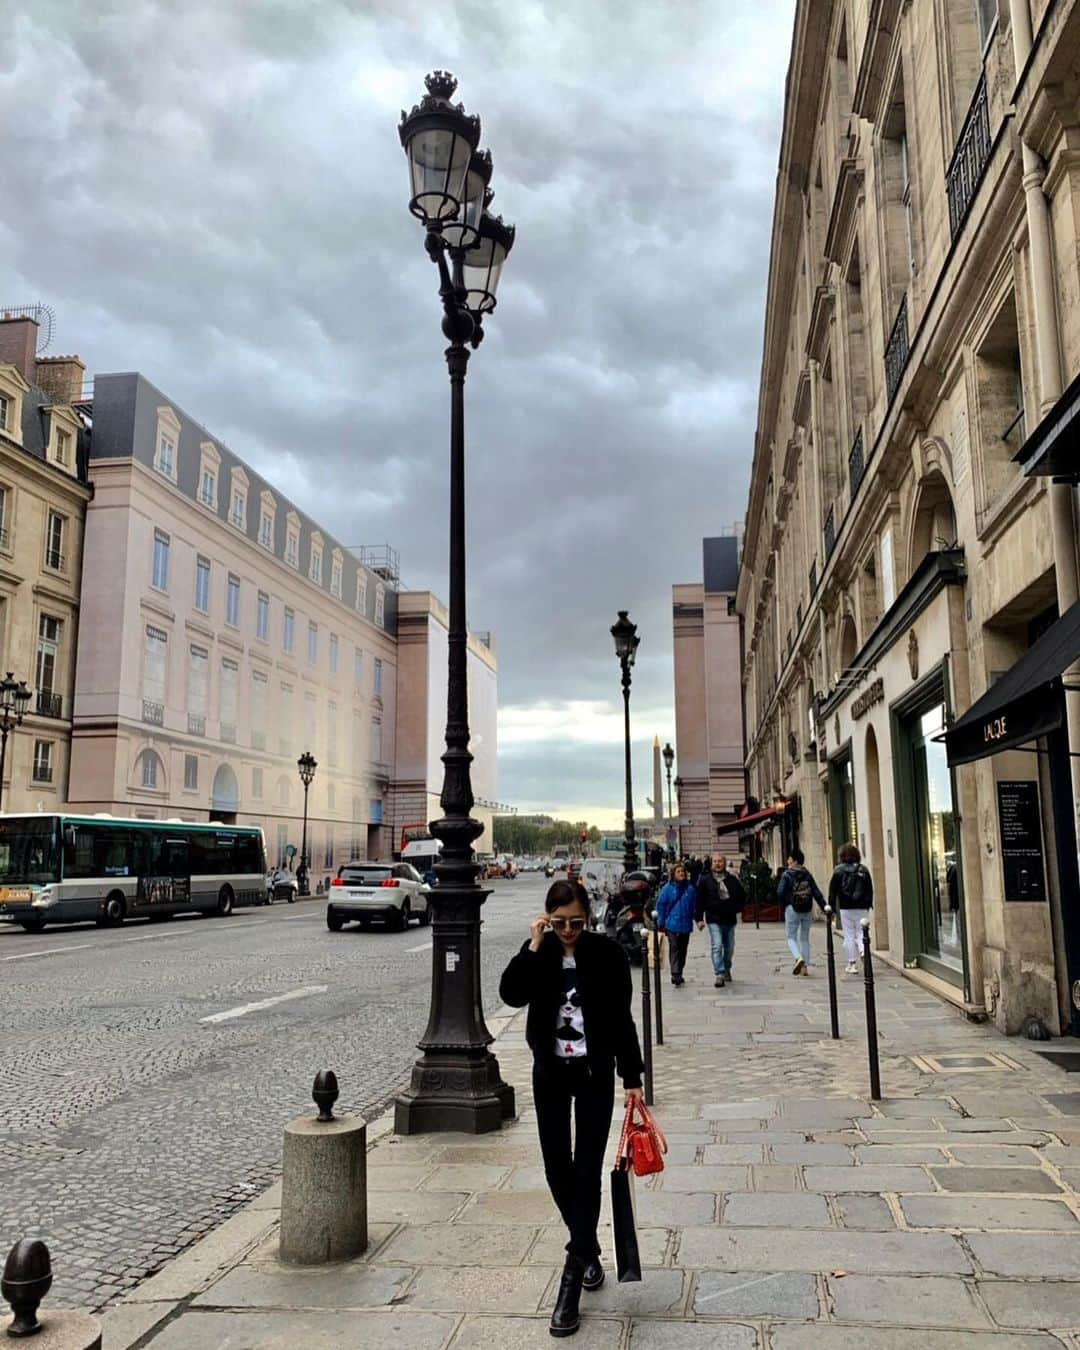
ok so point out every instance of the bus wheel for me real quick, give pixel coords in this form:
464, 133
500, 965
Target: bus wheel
33, 925
115, 910
224, 903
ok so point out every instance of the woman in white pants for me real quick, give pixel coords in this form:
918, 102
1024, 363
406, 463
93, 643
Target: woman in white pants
851, 891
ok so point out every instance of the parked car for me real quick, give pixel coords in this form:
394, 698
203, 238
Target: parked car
392, 892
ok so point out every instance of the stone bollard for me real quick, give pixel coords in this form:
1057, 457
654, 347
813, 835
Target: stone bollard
324, 1183
27, 1279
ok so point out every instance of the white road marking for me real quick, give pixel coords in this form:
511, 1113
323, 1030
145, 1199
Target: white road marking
424, 947
246, 1008
153, 937
52, 951
289, 918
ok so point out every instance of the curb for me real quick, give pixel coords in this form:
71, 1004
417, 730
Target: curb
128, 1323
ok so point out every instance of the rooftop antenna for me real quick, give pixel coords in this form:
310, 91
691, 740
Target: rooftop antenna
42, 315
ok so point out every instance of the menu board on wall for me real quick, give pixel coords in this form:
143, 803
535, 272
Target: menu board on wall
1021, 840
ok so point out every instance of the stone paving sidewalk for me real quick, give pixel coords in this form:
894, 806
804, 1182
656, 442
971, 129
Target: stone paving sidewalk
794, 1214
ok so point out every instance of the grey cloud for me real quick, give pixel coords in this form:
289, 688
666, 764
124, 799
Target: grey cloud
215, 194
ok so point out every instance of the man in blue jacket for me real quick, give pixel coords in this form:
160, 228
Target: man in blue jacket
675, 916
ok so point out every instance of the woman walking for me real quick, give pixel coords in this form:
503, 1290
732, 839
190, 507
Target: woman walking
851, 891
675, 907
797, 891
581, 1031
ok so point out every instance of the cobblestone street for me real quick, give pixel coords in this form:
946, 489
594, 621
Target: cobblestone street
793, 1214
128, 1129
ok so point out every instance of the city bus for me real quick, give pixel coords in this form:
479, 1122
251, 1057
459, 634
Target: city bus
67, 868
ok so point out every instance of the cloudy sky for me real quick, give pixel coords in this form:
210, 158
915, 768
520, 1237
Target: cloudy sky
215, 194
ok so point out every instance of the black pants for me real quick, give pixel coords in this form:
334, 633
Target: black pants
574, 1174
677, 946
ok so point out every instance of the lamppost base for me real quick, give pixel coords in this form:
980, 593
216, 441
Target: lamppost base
454, 1093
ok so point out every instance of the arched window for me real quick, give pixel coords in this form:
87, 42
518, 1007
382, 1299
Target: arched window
849, 642
149, 771
934, 526
225, 795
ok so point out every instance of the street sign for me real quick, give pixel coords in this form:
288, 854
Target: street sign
290, 850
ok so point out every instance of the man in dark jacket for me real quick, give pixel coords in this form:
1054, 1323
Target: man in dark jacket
720, 898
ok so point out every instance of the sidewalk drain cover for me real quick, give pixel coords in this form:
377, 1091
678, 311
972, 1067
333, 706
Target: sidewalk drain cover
987, 1063
1069, 1060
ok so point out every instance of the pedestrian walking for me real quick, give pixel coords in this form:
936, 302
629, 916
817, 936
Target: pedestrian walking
695, 869
720, 899
581, 1031
797, 891
675, 916
851, 894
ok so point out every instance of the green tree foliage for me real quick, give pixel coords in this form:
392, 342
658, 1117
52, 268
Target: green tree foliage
525, 840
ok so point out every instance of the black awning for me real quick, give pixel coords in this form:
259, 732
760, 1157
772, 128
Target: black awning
1053, 448
1026, 702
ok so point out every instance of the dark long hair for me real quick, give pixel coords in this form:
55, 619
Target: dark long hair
566, 893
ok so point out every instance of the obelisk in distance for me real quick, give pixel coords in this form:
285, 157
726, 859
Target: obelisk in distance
657, 792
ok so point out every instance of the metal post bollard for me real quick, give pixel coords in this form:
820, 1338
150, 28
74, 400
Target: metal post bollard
657, 996
646, 1023
830, 959
27, 1278
871, 1014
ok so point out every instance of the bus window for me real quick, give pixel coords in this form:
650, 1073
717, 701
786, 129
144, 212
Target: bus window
97, 851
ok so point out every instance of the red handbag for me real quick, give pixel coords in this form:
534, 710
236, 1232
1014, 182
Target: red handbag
642, 1144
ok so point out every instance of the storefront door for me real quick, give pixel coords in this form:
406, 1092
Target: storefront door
845, 825
935, 826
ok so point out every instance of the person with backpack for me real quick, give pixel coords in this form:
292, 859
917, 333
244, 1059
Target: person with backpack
675, 916
796, 891
851, 893
720, 899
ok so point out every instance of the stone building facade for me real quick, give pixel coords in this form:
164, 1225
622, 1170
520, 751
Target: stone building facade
43, 497
224, 633
709, 743
422, 654
922, 319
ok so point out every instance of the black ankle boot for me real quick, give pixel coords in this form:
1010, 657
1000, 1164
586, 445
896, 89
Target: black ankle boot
593, 1277
565, 1319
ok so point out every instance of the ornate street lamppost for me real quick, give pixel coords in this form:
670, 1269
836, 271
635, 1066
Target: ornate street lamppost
456, 1083
14, 697
669, 759
626, 644
307, 766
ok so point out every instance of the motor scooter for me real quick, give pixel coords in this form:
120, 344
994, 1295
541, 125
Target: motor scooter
632, 914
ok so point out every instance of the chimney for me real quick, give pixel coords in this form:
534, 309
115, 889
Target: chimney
61, 377
18, 344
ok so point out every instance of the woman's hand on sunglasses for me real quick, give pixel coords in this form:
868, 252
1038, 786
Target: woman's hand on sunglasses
537, 929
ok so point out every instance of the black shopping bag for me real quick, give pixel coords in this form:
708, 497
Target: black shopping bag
627, 1257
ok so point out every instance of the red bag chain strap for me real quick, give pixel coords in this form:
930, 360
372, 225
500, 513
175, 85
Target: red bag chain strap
622, 1153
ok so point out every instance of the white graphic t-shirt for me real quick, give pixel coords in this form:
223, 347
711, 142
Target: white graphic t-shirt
570, 1031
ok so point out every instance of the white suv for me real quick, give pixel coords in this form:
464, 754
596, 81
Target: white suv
393, 892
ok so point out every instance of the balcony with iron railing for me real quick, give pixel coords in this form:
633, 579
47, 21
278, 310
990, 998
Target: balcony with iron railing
897, 350
49, 704
970, 158
258, 740
856, 463
55, 559
196, 724
228, 732
153, 713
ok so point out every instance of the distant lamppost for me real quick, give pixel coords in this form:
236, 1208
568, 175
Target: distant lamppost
626, 644
456, 1084
14, 697
669, 760
307, 766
